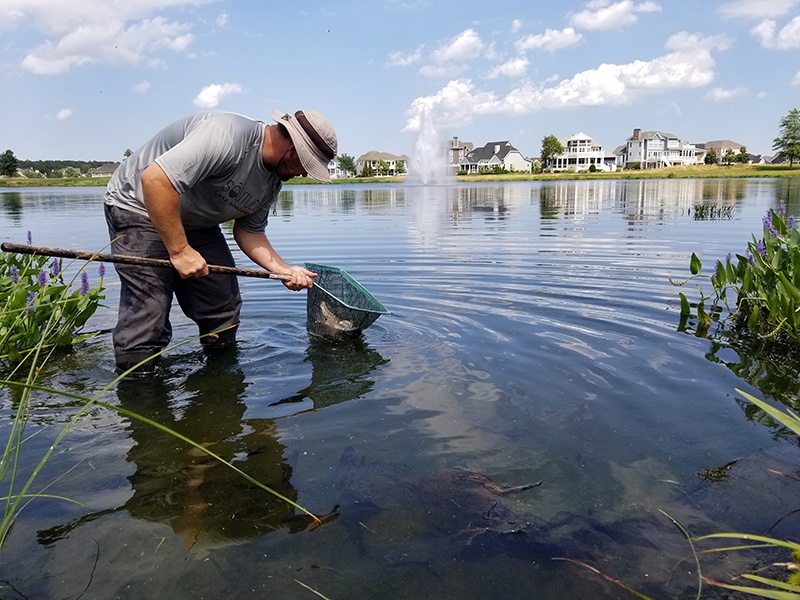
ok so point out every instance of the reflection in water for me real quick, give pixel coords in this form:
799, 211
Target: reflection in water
339, 372
12, 206
206, 504
639, 199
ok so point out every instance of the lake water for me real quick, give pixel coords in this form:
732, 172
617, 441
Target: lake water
535, 338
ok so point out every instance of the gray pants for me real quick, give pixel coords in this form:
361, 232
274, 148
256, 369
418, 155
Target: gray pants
143, 326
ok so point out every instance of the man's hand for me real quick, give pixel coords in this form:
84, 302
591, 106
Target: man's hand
301, 278
189, 263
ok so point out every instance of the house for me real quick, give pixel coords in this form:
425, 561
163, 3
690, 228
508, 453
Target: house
395, 165
333, 168
657, 149
580, 153
501, 155
721, 147
457, 151
104, 170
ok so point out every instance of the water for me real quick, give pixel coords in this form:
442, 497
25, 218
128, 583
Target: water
533, 338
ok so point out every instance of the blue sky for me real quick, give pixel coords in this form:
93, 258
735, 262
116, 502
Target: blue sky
86, 80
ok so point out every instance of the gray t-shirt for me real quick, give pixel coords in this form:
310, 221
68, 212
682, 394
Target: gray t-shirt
214, 162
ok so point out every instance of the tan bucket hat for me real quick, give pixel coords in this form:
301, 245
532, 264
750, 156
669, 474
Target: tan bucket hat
314, 139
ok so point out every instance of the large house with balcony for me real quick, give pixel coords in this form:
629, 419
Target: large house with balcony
657, 149
580, 153
493, 155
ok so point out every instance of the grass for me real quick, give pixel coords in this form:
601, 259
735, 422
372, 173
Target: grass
690, 172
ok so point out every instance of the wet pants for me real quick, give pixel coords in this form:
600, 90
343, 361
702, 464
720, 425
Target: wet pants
143, 326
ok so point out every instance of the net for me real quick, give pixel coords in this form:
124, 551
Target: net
339, 307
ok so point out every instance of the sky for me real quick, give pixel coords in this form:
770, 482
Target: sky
87, 80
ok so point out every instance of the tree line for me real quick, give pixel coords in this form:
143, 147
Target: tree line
10, 164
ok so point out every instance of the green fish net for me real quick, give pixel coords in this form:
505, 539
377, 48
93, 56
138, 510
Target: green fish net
339, 307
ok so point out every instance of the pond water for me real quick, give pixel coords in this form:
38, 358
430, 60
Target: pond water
534, 339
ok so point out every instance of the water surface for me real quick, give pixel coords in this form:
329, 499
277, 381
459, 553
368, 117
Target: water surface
534, 337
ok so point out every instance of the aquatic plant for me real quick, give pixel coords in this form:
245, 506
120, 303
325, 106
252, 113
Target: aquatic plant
38, 308
760, 289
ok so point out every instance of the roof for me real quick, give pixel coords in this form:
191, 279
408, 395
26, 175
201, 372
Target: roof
374, 155
723, 144
488, 151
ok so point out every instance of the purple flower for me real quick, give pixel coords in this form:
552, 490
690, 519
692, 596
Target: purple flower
14, 274
750, 258
782, 209
790, 222
42, 278
29, 304
762, 248
102, 270
729, 257
55, 268
30, 238
84, 283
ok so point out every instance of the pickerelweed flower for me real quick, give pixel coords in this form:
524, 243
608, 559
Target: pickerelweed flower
750, 258
14, 274
729, 257
29, 303
762, 248
84, 283
782, 210
42, 278
790, 222
767, 221
55, 268
102, 270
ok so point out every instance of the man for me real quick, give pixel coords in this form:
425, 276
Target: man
168, 199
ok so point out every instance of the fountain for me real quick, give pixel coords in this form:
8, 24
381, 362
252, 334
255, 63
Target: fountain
429, 164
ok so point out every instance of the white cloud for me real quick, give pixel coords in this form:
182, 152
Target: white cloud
142, 87
551, 40
404, 59
64, 113
795, 81
788, 38
601, 14
465, 45
719, 94
514, 68
516, 25
211, 95
688, 64
223, 19
756, 9
96, 31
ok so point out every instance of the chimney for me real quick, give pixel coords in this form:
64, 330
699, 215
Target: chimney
636, 134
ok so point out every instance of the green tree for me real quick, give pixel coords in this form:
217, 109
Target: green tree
8, 164
383, 167
367, 171
730, 157
711, 157
400, 167
743, 157
127, 152
347, 164
788, 142
551, 148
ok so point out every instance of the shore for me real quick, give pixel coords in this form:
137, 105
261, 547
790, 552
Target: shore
692, 172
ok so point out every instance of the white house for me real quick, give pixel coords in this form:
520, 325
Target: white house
397, 164
580, 153
495, 154
657, 149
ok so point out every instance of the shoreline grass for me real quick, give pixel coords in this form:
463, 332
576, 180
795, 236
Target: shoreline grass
683, 172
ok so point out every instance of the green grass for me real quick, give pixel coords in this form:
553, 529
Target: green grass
692, 172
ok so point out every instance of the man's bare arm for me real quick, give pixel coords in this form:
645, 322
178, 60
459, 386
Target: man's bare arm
162, 202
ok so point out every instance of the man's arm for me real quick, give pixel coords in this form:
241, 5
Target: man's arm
259, 249
162, 202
